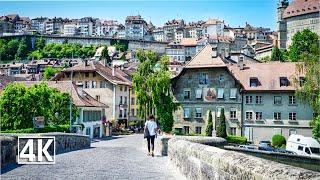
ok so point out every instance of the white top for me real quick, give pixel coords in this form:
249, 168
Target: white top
152, 126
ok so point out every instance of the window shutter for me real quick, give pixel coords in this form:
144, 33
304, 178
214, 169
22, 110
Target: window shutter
199, 93
233, 93
220, 93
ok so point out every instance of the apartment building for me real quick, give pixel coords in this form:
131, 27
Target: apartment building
136, 27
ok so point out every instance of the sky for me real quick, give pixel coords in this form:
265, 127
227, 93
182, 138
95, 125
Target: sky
259, 13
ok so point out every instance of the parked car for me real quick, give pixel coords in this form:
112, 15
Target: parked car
247, 146
306, 146
265, 146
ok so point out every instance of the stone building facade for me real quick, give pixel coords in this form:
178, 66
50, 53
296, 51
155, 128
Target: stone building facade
205, 85
269, 102
296, 16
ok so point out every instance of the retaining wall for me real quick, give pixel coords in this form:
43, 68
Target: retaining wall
198, 161
64, 142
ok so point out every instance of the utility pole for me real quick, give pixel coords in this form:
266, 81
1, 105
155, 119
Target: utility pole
71, 101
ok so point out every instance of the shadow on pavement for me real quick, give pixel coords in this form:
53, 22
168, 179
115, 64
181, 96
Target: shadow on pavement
106, 139
9, 167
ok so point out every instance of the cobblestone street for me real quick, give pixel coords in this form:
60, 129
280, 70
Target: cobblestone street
123, 157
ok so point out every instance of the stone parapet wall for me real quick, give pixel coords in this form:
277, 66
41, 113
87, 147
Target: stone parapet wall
198, 161
64, 142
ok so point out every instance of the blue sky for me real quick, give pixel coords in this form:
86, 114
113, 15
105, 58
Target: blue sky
234, 12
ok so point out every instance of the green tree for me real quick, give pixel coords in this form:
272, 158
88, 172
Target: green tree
209, 127
40, 43
35, 55
222, 127
276, 54
19, 104
12, 48
304, 41
152, 86
22, 50
105, 55
50, 72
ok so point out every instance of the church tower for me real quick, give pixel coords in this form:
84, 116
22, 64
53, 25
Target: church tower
282, 24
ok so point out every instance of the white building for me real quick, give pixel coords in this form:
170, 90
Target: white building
85, 26
136, 27
213, 27
70, 29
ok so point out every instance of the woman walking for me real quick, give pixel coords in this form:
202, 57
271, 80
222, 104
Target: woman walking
150, 129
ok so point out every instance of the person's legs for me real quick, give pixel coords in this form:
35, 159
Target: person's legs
152, 144
148, 139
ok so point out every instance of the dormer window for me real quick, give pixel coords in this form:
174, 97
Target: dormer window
254, 82
301, 81
284, 81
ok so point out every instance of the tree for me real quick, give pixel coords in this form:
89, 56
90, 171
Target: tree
278, 141
152, 86
209, 127
22, 50
50, 72
105, 55
40, 43
222, 127
19, 104
276, 54
305, 48
304, 41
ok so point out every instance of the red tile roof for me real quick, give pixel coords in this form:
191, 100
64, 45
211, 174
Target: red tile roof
268, 75
301, 7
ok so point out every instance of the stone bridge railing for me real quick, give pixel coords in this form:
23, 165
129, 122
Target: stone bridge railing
199, 161
64, 142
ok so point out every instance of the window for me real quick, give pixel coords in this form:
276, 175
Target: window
120, 100
125, 89
300, 148
132, 112
186, 112
120, 113
220, 93
301, 81
233, 113
125, 113
221, 78
120, 88
94, 74
248, 115
219, 111
248, 99
233, 93
292, 131
86, 84
292, 100
97, 97
278, 100
91, 116
277, 116
284, 81
307, 150
203, 78
132, 101
198, 130
186, 129
86, 74
254, 82
103, 84
258, 115
233, 130
186, 94
198, 112
125, 100
258, 99
292, 116
88, 131
94, 84
198, 93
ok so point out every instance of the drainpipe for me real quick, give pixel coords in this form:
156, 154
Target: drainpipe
242, 114
114, 102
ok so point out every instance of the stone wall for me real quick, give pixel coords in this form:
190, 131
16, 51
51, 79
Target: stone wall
64, 142
197, 161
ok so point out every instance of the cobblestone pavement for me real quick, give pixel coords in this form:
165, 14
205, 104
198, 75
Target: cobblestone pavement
122, 157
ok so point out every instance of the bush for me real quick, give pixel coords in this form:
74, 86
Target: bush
209, 127
222, 127
58, 128
236, 139
278, 141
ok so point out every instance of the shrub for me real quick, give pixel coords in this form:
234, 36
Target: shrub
209, 127
58, 128
278, 140
236, 139
222, 128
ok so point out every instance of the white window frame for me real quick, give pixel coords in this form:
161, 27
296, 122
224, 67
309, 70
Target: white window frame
249, 112
233, 113
199, 93
292, 116
186, 111
197, 112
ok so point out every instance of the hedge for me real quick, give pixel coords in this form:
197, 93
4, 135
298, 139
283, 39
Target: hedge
58, 128
236, 139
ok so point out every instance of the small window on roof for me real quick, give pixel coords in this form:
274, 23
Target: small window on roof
254, 82
284, 81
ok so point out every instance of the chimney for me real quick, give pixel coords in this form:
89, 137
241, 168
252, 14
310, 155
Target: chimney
80, 89
113, 70
214, 52
240, 63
